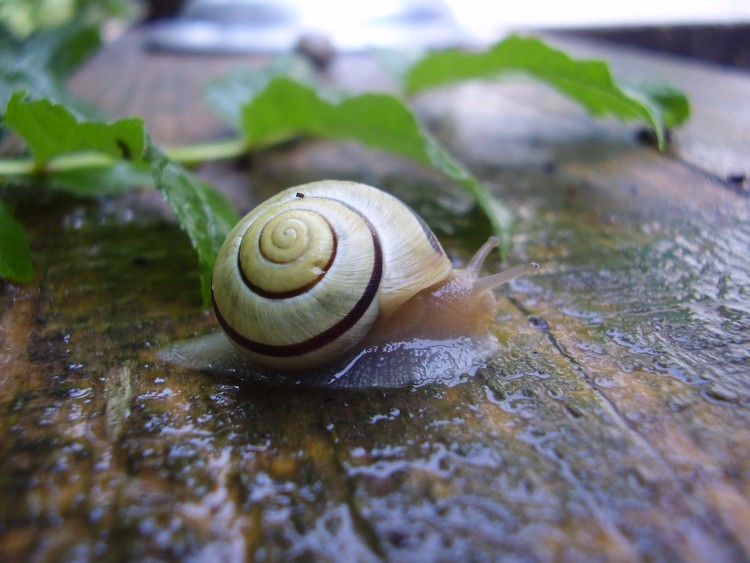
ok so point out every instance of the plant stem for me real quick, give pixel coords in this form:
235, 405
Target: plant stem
214, 150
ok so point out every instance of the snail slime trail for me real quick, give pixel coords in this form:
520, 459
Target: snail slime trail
340, 284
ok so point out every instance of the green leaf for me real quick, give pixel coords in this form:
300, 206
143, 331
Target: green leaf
229, 94
59, 50
40, 85
40, 64
286, 108
589, 83
15, 256
49, 130
203, 213
668, 101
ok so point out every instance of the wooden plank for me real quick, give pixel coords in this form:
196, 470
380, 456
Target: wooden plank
167, 90
613, 425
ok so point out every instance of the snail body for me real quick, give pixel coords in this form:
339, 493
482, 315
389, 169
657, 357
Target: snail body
330, 269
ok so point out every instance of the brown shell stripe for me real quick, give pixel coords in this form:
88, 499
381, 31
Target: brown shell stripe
328, 335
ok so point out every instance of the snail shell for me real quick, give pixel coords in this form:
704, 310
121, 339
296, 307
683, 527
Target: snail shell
324, 270
303, 277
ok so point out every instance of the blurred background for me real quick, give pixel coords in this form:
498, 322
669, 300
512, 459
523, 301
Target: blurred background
712, 30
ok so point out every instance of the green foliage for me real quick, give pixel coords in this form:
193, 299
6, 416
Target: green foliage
588, 83
203, 213
51, 130
15, 256
228, 95
41, 63
23, 17
78, 151
286, 108
669, 103
58, 51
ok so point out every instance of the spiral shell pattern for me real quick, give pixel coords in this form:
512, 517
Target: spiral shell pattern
303, 277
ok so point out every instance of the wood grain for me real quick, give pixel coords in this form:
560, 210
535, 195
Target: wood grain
614, 425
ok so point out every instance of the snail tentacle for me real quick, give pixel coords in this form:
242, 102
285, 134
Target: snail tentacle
480, 256
495, 280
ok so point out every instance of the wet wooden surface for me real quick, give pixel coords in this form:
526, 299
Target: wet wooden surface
613, 426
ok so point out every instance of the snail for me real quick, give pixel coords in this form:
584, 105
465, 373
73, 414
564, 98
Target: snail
336, 282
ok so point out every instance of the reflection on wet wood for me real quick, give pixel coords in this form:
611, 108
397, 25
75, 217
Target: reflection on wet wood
614, 424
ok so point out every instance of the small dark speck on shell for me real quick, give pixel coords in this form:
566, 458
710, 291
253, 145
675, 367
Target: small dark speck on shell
738, 179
